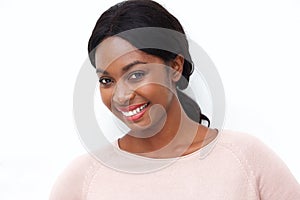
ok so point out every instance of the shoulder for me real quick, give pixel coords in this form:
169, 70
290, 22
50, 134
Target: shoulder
71, 183
244, 144
247, 149
229, 137
250, 150
264, 167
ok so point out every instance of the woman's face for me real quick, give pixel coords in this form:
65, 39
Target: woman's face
135, 86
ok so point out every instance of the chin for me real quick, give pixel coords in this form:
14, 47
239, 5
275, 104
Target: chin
145, 129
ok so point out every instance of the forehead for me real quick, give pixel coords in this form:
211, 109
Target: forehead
113, 49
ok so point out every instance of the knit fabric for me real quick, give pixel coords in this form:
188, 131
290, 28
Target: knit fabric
235, 166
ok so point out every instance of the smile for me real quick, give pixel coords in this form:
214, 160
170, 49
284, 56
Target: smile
135, 111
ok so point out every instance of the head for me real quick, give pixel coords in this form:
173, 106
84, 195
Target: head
113, 44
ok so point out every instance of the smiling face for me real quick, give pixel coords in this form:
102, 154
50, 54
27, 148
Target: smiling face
137, 87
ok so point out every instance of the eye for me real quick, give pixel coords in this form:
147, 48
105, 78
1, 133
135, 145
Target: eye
105, 81
135, 76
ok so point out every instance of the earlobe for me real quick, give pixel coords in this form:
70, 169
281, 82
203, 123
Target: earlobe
177, 67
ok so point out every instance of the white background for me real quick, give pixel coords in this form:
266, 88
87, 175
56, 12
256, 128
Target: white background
254, 44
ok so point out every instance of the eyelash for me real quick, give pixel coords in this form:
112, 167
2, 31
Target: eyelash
139, 75
106, 81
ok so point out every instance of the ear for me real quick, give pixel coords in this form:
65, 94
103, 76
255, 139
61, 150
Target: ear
177, 67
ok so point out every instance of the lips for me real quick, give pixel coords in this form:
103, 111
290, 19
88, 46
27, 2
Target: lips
133, 110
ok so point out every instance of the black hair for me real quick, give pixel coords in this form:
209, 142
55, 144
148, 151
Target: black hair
135, 14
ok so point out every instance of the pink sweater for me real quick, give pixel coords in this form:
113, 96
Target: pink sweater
235, 166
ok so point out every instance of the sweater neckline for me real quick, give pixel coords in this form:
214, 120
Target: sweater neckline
200, 153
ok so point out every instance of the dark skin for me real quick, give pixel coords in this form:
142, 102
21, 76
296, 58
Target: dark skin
130, 78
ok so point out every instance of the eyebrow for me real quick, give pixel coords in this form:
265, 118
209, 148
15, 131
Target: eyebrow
124, 69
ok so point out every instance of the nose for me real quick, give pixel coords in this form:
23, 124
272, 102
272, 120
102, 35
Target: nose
123, 94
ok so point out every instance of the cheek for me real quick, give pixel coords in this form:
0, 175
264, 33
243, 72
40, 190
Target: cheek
106, 96
157, 94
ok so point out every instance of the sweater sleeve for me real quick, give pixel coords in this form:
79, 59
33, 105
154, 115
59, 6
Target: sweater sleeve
72, 183
274, 181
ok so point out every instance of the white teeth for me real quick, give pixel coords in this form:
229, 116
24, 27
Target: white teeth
135, 111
